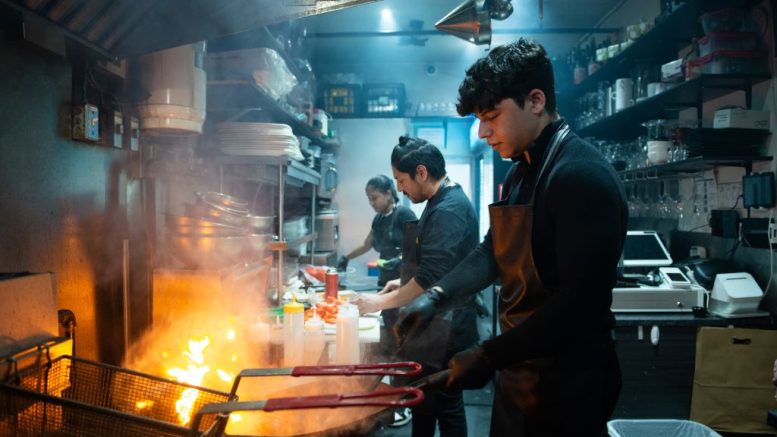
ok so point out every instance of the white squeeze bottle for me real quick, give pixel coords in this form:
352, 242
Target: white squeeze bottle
293, 333
347, 342
314, 340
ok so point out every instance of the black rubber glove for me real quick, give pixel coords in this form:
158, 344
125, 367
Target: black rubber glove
342, 263
414, 317
470, 369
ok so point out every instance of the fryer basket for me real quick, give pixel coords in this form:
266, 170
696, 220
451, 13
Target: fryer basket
71, 396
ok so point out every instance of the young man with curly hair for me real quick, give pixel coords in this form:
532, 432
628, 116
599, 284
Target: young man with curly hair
555, 240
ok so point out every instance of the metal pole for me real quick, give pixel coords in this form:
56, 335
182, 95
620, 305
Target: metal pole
312, 220
281, 237
125, 294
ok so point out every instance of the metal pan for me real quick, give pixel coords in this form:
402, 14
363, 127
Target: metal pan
374, 403
366, 409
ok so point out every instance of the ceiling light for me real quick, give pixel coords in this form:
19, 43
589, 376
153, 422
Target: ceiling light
469, 21
385, 13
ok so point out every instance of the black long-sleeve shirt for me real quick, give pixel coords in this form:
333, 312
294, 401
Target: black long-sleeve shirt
447, 232
580, 222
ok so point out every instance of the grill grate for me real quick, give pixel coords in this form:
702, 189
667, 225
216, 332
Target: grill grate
81, 398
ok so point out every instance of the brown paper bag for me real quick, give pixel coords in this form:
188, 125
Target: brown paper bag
732, 383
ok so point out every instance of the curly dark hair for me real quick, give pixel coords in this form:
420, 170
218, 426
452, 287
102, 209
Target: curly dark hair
511, 70
412, 152
383, 184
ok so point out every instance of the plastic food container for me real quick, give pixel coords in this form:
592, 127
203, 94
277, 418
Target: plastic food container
652, 428
728, 62
723, 20
739, 41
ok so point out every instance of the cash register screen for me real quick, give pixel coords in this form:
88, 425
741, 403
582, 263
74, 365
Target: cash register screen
645, 248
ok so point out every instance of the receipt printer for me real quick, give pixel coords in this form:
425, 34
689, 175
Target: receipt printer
735, 294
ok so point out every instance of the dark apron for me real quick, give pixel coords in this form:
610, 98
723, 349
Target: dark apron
523, 396
427, 347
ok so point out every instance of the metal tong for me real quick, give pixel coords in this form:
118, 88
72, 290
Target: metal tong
402, 368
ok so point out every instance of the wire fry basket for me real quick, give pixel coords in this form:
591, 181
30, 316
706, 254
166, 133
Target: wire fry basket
70, 396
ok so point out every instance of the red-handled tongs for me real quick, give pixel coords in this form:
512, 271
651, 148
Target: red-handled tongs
393, 397
402, 368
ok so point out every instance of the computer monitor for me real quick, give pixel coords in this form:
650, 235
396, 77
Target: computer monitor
645, 249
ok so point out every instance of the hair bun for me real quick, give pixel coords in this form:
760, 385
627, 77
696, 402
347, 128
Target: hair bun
404, 139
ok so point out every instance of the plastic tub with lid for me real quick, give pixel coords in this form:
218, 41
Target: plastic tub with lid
728, 62
716, 41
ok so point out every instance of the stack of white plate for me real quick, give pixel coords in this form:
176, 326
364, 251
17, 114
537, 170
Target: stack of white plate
258, 139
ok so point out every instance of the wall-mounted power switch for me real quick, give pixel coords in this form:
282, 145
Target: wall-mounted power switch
86, 122
118, 129
772, 233
134, 134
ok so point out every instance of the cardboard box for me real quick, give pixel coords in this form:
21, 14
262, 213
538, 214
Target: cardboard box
740, 118
28, 314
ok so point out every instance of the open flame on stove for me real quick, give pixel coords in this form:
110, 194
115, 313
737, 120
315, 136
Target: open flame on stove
193, 373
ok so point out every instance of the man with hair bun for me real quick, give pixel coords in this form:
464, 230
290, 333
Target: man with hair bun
446, 232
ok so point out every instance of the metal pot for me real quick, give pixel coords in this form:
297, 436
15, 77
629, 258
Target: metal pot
185, 225
217, 214
224, 200
260, 224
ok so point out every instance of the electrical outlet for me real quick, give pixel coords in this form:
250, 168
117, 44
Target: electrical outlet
86, 123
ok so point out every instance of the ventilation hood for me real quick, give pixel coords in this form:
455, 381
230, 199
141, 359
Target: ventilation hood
128, 28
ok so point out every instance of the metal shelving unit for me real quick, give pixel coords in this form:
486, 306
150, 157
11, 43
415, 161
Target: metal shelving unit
689, 94
234, 101
238, 98
660, 43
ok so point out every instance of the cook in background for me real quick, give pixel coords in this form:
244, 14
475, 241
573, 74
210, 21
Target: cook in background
446, 232
386, 231
385, 234
555, 240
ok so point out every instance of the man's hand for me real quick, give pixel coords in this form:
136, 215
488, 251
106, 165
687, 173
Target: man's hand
368, 302
342, 263
390, 286
470, 369
418, 313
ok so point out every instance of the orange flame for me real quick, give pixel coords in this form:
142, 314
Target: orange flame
193, 374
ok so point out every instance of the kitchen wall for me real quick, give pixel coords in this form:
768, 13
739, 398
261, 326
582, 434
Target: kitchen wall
66, 206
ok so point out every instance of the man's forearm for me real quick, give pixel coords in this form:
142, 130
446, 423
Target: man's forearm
402, 296
359, 251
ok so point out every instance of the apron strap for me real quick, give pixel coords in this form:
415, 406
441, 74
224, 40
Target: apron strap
553, 149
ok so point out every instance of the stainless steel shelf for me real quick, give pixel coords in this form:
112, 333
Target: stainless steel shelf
691, 165
263, 169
